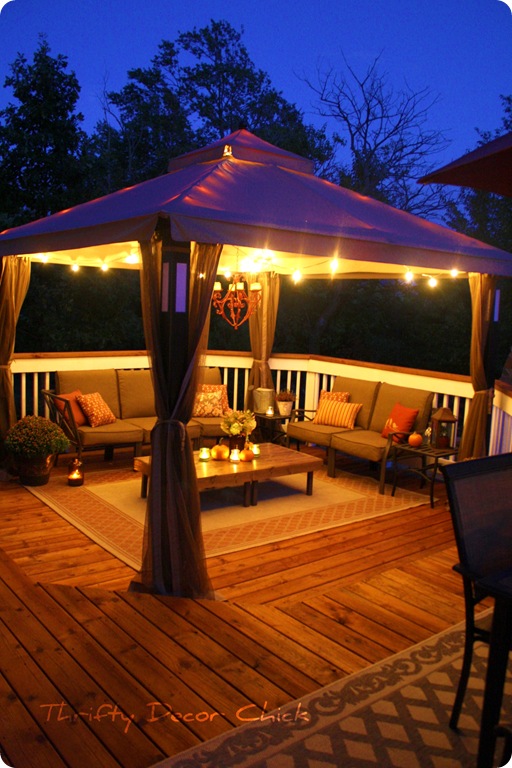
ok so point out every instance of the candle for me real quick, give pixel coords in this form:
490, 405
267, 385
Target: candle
234, 456
75, 473
270, 411
204, 454
256, 449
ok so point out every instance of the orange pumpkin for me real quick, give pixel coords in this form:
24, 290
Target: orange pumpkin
220, 452
246, 455
415, 440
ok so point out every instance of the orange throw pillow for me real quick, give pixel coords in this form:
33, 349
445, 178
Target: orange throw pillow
79, 415
401, 419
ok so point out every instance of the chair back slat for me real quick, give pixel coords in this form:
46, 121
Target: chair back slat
480, 496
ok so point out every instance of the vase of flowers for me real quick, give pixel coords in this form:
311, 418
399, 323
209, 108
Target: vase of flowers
32, 444
238, 425
285, 400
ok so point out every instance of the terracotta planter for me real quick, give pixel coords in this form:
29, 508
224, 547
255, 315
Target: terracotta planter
33, 471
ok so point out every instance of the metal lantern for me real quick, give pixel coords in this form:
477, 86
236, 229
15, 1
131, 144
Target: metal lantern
444, 429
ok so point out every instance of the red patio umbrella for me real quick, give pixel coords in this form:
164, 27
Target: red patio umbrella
488, 168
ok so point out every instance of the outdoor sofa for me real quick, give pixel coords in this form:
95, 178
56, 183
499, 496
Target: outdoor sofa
358, 431
78, 405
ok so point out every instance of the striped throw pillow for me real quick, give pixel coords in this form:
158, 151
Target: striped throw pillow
336, 414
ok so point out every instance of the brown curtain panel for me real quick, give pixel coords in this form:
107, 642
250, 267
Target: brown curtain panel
173, 554
14, 282
473, 442
262, 329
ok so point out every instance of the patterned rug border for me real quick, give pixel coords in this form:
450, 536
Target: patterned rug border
255, 743
93, 516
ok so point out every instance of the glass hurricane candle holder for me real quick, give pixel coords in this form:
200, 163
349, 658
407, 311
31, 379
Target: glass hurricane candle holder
75, 473
234, 456
204, 454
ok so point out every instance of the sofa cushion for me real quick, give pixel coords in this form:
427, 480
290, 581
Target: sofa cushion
363, 443
360, 391
389, 394
309, 432
96, 409
209, 426
136, 393
209, 375
78, 414
401, 420
118, 433
103, 381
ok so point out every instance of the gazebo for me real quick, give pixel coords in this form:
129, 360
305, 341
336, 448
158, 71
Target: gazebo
236, 198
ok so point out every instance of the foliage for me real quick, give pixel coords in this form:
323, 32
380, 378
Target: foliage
238, 422
387, 136
197, 89
35, 437
285, 396
86, 310
41, 144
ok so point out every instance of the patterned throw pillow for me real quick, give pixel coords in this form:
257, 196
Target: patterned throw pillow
96, 409
202, 402
79, 415
400, 419
327, 406
208, 404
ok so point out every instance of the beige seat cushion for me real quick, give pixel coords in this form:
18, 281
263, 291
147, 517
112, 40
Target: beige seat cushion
136, 393
102, 381
363, 443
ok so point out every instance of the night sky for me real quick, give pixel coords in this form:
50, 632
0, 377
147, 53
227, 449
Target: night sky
460, 49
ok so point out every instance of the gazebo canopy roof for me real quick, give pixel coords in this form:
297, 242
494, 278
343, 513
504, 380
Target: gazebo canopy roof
255, 198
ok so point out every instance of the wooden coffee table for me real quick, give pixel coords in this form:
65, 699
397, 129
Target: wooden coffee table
274, 461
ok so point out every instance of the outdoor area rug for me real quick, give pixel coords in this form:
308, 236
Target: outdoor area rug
392, 715
108, 508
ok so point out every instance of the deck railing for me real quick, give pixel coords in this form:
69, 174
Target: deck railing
304, 374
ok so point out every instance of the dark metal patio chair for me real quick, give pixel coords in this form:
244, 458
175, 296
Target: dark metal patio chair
480, 497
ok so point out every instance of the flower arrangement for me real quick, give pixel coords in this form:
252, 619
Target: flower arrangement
286, 396
238, 422
35, 437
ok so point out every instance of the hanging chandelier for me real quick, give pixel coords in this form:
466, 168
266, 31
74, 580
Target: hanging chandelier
238, 303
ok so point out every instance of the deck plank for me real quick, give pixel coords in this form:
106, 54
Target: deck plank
300, 614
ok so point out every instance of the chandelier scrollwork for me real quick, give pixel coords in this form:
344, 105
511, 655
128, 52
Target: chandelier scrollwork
241, 299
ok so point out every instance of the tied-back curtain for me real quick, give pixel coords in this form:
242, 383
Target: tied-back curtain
473, 442
173, 553
262, 329
14, 282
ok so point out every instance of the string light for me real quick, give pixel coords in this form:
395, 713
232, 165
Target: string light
297, 276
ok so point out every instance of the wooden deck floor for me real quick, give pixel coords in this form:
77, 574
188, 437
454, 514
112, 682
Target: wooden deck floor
94, 675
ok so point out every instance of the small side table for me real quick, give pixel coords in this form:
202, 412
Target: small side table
269, 427
429, 456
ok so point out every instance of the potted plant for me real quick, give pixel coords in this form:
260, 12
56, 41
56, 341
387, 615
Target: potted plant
285, 400
238, 425
32, 444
